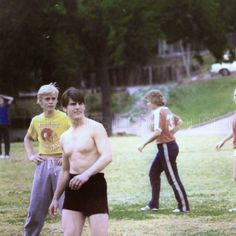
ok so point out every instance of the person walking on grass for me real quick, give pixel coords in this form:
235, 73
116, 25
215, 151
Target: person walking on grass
86, 152
5, 102
231, 135
164, 125
46, 128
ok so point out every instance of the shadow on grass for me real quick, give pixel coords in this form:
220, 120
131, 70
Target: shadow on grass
133, 212
200, 210
207, 233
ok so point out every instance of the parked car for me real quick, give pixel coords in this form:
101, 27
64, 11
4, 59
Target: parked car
225, 68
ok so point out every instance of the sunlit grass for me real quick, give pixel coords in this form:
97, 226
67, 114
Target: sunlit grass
203, 100
206, 174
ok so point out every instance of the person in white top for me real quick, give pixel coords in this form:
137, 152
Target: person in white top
231, 135
164, 124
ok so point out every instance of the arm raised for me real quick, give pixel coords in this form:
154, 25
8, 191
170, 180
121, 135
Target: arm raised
8, 98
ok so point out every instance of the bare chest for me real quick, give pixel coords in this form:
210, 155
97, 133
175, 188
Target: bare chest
83, 143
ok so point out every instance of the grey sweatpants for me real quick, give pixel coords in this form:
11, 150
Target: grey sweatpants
44, 185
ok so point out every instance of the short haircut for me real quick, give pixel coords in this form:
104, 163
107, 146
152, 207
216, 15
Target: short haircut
155, 97
73, 94
46, 90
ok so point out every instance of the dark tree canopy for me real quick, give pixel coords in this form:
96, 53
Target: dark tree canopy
54, 40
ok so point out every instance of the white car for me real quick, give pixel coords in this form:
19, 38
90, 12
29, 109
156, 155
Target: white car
225, 68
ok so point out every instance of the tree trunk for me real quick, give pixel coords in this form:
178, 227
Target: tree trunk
103, 78
186, 56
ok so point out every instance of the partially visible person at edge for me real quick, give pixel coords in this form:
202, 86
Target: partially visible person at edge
231, 135
164, 125
5, 102
46, 128
86, 152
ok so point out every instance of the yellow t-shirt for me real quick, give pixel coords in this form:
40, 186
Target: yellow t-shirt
47, 131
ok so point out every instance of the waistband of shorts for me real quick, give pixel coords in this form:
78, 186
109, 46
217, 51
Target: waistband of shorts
100, 174
44, 156
168, 143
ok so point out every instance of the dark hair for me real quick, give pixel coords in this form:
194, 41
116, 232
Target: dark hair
73, 94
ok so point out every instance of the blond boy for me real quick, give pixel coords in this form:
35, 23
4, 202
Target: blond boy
45, 128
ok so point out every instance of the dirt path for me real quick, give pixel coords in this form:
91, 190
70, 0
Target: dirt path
139, 127
221, 126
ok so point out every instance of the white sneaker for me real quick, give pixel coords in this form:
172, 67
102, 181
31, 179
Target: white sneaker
177, 210
148, 208
232, 210
2, 157
7, 156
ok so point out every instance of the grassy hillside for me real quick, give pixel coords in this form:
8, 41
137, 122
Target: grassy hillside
203, 100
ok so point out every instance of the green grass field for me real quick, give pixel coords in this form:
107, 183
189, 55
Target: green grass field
206, 174
203, 100
195, 102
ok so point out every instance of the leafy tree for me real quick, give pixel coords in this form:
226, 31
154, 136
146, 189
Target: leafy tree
53, 40
227, 10
112, 33
195, 21
35, 47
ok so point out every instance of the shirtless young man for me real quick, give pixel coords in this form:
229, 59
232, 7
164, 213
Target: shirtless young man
86, 152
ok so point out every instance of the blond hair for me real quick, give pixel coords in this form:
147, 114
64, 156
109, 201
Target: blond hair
47, 89
155, 97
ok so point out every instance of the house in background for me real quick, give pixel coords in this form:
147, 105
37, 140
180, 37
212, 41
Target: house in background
172, 63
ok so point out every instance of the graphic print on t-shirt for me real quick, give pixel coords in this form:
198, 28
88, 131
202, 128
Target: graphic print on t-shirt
49, 136
165, 122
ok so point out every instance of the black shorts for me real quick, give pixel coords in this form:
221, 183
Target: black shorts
90, 199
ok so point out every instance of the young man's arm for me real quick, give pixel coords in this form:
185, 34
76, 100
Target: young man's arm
224, 140
61, 185
178, 124
32, 156
153, 137
103, 147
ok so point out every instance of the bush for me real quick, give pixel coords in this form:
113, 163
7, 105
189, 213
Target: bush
22, 110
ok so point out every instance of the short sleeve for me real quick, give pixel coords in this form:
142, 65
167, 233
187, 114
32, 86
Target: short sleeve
32, 131
157, 120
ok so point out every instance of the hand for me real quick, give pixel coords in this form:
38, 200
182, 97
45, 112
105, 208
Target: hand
141, 148
59, 162
36, 158
76, 182
219, 145
53, 208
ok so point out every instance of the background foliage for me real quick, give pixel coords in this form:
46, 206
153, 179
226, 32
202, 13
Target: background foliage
67, 40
